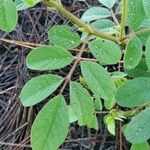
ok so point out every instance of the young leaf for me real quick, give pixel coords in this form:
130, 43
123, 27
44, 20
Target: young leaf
110, 123
134, 92
140, 146
108, 3
98, 80
147, 53
82, 105
140, 70
107, 52
133, 53
38, 88
95, 13
51, 125
146, 4
137, 131
48, 58
135, 13
63, 36
8, 15
30, 2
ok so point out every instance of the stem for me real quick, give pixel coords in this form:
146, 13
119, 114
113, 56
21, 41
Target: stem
78, 22
123, 20
134, 111
114, 17
20, 43
136, 33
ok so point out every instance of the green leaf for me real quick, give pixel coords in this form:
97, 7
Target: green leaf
133, 53
141, 146
138, 130
140, 70
143, 36
51, 125
82, 105
8, 15
146, 4
30, 2
95, 13
98, 104
107, 52
118, 75
63, 36
110, 123
119, 81
135, 13
104, 25
72, 115
109, 104
48, 58
108, 3
24, 4
134, 93
147, 53
38, 88
98, 80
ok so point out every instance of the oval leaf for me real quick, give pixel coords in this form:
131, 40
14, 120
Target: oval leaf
134, 92
138, 130
98, 79
95, 13
147, 53
104, 25
107, 52
63, 36
82, 105
134, 18
38, 88
108, 3
8, 15
51, 125
48, 58
140, 70
133, 53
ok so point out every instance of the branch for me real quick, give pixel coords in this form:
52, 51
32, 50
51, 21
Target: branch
78, 22
134, 111
136, 33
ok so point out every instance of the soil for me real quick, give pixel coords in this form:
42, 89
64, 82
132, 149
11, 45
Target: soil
16, 120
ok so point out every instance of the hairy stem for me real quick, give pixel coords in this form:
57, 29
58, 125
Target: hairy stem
85, 27
136, 33
134, 111
123, 20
